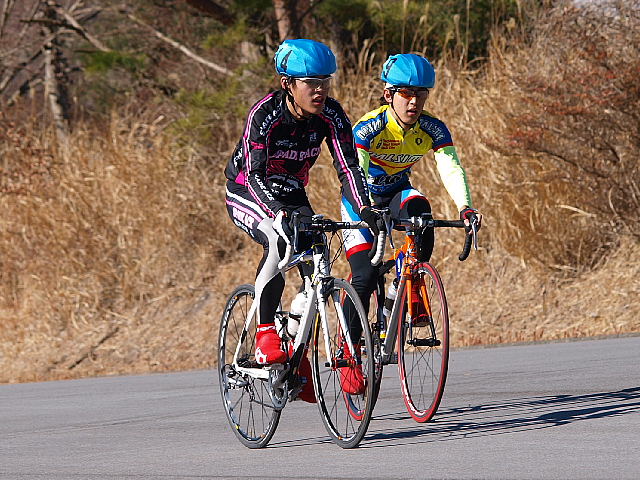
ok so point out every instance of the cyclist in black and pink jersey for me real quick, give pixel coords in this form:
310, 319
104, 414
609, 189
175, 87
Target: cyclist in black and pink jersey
269, 170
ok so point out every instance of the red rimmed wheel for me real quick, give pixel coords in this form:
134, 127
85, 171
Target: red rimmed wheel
423, 344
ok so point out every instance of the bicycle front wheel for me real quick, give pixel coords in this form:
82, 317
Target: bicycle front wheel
245, 397
343, 379
375, 312
423, 344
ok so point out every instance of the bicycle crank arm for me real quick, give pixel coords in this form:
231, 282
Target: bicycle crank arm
278, 375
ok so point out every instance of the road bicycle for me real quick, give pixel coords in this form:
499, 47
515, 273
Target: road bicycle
419, 344
254, 395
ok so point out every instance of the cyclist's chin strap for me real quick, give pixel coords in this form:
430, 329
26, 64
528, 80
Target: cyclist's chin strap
404, 125
295, 105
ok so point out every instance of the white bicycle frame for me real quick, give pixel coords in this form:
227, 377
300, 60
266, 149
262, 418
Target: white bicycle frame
315, 305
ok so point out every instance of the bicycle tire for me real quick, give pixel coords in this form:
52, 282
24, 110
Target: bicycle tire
344, 429
374, 317
246, 399
375, 312
423, 357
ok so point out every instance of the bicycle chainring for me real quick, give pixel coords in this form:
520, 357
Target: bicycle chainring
277, 386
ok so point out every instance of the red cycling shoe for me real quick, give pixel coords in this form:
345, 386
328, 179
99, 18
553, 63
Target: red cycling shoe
352, 377
268, 345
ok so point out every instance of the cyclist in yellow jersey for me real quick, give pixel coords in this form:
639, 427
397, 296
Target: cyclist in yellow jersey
390, 140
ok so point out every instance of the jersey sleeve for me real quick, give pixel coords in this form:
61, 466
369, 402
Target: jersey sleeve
254, 144
453, 175
450, 170
364, 131
437, 130
342, 147
364, 159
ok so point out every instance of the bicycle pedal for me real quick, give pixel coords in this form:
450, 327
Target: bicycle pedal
235, 382
391, 359
424, 342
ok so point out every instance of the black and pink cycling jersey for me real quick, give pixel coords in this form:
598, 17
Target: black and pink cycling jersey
276, 151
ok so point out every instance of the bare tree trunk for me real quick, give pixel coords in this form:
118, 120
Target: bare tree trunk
52, 95
287, 19
7, 5
55, 78
303, 8
293, 17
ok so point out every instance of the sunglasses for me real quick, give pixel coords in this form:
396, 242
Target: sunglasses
409, 93
315, 83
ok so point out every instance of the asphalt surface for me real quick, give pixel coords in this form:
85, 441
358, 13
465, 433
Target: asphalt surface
559, 410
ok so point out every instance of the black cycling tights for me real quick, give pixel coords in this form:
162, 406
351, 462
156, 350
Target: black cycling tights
414, 207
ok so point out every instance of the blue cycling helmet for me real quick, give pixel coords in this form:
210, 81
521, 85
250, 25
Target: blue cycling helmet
408, 70
304, 58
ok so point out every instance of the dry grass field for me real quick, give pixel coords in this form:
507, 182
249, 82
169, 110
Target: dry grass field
117, 256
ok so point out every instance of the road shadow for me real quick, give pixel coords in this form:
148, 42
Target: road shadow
498, 418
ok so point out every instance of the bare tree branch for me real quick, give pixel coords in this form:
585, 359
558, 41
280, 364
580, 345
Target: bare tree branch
7, 5
25, 29
72, 23
78, 4
24, 66
290, 16
179, 46
214, 10
27, 85
309, 10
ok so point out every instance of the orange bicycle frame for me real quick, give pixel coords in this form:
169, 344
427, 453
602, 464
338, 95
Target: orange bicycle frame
409, 254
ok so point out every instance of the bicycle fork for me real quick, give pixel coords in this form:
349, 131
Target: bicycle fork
396, 316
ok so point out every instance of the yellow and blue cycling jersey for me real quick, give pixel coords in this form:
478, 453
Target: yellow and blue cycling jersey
387, 153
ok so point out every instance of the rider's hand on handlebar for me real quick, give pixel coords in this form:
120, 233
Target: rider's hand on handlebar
282, 223
469, 214
373, 218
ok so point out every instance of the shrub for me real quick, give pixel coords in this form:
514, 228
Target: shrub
571, 104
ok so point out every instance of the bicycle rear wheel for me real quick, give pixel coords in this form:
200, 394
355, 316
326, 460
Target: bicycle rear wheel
333, 369
246, 399
423, 347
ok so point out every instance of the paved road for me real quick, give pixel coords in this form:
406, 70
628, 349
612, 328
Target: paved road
559, 410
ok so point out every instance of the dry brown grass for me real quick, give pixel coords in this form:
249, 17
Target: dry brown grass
93, 248
118, 258
566, 132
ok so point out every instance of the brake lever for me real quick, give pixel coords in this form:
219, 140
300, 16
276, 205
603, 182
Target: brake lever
474, 230
388, 225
